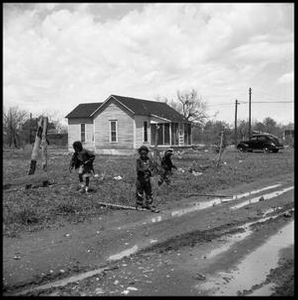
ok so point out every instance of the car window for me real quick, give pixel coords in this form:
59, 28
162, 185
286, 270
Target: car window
262, 138
254, 138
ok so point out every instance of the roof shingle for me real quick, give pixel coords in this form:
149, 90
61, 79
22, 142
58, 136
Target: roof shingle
147, 108
137, 106
84, 110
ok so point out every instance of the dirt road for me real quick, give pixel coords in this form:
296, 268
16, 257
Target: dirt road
242, 245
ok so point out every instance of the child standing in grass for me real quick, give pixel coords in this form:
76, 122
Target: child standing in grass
143, 184
82, 159
166, 165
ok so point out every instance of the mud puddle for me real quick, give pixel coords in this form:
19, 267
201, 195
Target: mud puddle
250, 274
265, 197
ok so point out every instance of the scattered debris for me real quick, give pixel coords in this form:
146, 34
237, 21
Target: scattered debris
287, 214
99, 291
196, 173
118, 177
199, 276
17, 256
125, 292
67, 234
130, 288
62, 271
262, 199
240, 161
116, 282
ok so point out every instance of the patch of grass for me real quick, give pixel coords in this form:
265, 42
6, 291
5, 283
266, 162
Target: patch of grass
49, 206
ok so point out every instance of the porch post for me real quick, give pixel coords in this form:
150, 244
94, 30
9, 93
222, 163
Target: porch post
170, 128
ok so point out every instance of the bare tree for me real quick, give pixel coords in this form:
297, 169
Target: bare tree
13, 118
189, 104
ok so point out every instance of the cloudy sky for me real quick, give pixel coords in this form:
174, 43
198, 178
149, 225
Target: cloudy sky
59, 55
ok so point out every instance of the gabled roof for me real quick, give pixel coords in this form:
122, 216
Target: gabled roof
149, 108
84, 110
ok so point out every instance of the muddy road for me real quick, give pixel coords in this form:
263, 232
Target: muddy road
198, 246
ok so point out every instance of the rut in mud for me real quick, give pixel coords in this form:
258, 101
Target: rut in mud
148, 240
231, 233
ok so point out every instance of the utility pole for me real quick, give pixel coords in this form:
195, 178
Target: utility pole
236, 103
249, 118
30, 128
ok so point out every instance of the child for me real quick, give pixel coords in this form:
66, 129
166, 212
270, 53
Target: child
82, 159
167, 166
143, 184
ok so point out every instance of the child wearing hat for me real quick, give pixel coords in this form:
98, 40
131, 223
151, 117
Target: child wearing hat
167, 166
143, 183
82, 159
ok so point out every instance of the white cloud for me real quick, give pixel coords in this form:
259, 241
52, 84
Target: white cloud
63, 54
286, 78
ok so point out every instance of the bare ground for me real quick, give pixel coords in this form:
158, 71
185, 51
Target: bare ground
170, 251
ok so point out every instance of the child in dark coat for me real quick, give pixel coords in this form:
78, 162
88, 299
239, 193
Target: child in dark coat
167, 167
82, 159
143, 184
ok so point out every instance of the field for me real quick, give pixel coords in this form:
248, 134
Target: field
61, 203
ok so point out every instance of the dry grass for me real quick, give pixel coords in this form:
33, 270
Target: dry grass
53, 206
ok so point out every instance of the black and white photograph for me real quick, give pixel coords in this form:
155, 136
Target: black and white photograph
148, 149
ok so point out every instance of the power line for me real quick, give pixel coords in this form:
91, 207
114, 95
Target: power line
273, 102
245, 102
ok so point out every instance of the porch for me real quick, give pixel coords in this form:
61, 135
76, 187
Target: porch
166, 133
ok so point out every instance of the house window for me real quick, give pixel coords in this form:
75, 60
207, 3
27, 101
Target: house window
113, 131
83, 133
145, 131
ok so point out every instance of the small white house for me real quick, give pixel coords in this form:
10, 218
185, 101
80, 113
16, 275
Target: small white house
120, 125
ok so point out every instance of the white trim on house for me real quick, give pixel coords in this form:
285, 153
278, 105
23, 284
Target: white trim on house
134, 133
154, 121
116, 101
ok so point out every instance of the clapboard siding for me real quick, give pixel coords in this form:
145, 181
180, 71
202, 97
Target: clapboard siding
139, 138
125, 128
74, 133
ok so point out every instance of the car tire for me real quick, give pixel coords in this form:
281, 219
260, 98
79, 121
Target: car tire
275, 150
241, 149
266, 149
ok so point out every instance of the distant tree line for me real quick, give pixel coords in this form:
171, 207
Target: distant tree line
207, 131
19, 129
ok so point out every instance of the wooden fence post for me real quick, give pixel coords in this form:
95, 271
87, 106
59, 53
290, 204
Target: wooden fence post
40, 141
44, 144
36, 146
220, 149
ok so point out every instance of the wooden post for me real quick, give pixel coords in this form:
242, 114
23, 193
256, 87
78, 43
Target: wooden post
44, 144
220, 149
36, 146
40, 141
156, 152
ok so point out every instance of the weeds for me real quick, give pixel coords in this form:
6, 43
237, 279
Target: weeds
47, 206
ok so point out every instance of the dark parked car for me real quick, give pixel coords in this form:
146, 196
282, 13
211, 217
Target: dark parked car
265, 142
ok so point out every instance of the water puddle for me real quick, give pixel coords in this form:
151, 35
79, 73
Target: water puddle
253, 269
264, 290
124, 253
216, 201
229, 243
265, 197
233, 239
